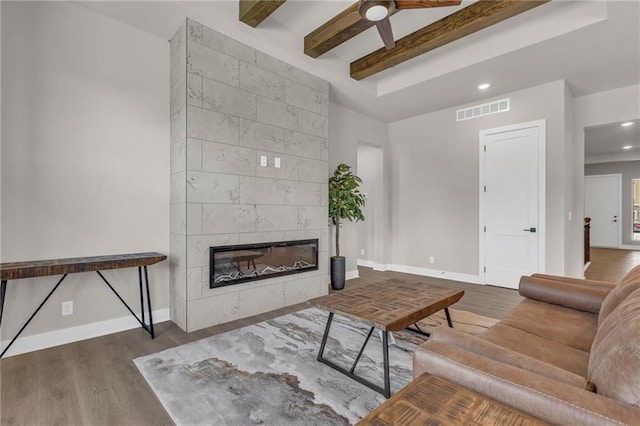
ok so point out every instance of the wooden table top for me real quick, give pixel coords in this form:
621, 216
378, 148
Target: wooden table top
43, 268
388, 305
431, 400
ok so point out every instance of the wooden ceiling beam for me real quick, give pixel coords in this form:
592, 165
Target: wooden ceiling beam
337, 30
475, 17
253, 12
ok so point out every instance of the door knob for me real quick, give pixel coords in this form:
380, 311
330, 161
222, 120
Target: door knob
530, 230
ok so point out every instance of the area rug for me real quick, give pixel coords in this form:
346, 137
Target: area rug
267, 373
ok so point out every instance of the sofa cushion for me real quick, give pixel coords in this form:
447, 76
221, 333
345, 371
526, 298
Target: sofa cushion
628, 285
569, 327
614, 363
554, 353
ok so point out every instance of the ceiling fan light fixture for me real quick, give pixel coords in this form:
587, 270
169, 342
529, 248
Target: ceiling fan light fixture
484, 86
375, 10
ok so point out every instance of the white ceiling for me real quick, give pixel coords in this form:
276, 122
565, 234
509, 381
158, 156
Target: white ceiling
605, 143
593, 44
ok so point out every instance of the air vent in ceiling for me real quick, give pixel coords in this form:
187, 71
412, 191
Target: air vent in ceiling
480, 110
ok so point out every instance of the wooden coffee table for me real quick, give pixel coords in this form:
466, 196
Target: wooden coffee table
430, 400
388, 306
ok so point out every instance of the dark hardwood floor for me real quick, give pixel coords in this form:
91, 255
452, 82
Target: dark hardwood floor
611, 264
94, 382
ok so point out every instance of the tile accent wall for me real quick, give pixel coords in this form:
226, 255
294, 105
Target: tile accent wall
230, 105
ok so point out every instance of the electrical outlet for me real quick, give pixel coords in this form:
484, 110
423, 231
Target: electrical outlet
67, 308
276, 162
361, 252
432, 259
263, 161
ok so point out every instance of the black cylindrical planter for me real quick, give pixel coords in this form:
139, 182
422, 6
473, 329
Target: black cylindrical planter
337, 272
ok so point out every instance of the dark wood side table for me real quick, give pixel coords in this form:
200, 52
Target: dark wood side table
430, 400
387, 306
64, 267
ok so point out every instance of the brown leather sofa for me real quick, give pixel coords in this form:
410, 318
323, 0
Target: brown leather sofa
568, 354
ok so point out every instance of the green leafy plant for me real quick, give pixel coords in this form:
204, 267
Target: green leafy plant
345, 199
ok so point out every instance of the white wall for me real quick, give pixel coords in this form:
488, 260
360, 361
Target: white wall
85, 157
435, 175
347, 129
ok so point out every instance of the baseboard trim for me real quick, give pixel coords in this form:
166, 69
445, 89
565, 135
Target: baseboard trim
50, 339
373, 265
350, 275
426, 272
628, 247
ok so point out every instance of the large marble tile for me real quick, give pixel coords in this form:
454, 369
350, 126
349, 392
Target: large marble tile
260, 237
276, 218
204, 187
264, 83
178, 188
194, 90
304, 145
227, 99
178, 125
194, 280
178, 156
222, 158
209, 311
194, 219
178, 218
312, 81
261, 299
305, 97
278, 114
212, 64
220, 42
224, 218
212, 126
194, 31
312, 217
194, 154
276, 66
312, 123
261, 136
258, 190
313, 170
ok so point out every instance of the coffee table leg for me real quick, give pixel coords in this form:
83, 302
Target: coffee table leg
385, 357
446, 312
324, 338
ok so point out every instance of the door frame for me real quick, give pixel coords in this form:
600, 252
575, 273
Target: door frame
542, 189
618, 177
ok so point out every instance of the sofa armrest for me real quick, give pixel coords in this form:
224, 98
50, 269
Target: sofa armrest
501, 354
578, 296
544, 398
578, 281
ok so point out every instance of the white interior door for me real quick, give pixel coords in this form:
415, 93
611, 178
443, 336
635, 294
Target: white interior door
602, 205
510, 199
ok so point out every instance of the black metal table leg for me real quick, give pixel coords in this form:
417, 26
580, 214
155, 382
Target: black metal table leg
3, 291
361, 350
386, 391
446, 312
148, 328
385, 357
32, 315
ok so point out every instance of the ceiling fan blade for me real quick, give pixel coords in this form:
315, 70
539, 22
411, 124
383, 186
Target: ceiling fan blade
421, 4
384, 28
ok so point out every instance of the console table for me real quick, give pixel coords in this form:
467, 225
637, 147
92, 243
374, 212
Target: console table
64, 267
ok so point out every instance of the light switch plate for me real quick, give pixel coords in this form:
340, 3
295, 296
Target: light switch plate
263, 161
277, 162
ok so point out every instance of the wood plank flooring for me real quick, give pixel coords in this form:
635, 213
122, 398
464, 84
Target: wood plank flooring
611, 264
94, 382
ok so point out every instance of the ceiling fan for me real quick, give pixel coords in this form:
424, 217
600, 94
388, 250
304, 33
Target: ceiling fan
378, 11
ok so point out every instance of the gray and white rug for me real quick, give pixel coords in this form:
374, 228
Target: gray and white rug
267, 373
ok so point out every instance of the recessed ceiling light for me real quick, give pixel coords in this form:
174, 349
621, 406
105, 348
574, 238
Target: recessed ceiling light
484, 86
627, 124
627, 147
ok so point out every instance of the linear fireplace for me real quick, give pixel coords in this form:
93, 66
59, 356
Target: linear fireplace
249, 262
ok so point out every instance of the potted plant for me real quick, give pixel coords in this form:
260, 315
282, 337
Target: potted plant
345, 202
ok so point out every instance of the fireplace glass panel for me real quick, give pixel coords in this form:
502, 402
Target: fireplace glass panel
249, 262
